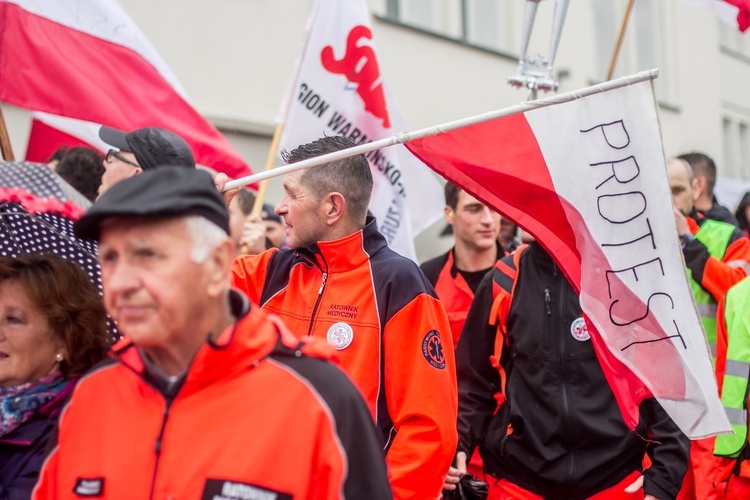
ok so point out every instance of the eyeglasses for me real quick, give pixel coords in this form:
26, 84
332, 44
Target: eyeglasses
116, 154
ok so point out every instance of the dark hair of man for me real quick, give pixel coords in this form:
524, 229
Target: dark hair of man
349, 176
246, 200
702, 165
82, 168
451, 194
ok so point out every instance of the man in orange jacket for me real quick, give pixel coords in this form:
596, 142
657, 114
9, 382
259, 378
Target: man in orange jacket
456, 274
340, 282
206, 396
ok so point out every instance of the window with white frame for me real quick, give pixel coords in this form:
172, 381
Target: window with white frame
727, 129
645, 46
744, 151
733, 41
490, 24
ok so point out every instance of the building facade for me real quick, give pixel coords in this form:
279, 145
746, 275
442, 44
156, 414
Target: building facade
449, 59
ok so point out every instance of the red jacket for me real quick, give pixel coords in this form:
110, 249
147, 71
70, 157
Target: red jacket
393, 338
254, 415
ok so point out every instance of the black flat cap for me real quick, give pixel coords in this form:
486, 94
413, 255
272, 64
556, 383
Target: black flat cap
164, 192
153, 147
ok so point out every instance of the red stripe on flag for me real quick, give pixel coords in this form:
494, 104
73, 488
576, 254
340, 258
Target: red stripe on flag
484, 160
44, 140
46, 66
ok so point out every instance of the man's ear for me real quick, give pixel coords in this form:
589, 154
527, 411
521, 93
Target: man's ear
218, 265
449, 214
136, 171
699, 186
334, 207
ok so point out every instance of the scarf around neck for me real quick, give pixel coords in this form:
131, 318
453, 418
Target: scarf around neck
21, 402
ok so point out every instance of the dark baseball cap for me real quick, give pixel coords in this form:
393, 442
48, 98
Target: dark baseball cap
268, 213
163, 192
153, 147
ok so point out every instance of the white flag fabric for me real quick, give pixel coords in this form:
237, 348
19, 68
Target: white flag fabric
338, 90
587, 178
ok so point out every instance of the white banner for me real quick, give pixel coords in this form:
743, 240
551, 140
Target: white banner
339, 90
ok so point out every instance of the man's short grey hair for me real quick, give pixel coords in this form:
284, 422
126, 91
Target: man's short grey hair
206, 237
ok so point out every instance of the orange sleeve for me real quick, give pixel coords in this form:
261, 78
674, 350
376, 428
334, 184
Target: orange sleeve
422, 398
720, 275
47, 485
249, 274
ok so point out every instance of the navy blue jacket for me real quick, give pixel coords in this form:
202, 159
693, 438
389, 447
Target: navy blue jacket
23, 451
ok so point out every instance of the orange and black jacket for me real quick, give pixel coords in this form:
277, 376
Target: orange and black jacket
717, 275
453, 290
558, 432
393, 338
258, 414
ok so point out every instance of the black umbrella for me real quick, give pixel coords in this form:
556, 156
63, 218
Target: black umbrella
37, 211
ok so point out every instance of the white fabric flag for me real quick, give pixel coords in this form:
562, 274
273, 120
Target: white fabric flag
338, 90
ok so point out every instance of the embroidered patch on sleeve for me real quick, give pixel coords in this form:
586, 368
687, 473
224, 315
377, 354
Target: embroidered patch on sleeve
432, 349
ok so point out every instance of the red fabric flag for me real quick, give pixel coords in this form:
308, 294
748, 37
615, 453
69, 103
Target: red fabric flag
45, 139
88, 60
731, 12
743, 13
587, 179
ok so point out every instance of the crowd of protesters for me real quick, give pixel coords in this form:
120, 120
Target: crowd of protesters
293, 354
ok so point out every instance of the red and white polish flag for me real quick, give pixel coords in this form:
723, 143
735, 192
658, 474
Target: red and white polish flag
338, 89
87, 60
587, 178
732, 12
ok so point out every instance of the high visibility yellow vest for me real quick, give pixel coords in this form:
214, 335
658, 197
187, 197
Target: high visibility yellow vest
715, 236
734, 389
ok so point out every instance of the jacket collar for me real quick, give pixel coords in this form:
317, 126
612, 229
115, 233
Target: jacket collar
240, 346
349, 252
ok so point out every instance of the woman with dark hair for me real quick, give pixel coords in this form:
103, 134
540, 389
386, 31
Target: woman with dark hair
743, 214
52, 329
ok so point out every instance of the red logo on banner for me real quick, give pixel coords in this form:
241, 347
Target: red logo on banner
360, 66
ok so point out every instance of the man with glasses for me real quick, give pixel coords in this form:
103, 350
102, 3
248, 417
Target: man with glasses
140, 150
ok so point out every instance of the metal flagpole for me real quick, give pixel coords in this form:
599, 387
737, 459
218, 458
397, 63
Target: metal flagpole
535, 72
404, 137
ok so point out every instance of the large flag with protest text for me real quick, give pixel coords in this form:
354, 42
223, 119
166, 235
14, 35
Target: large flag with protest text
338, 89
86, 59
587, 179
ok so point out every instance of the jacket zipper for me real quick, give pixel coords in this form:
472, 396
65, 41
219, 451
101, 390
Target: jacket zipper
320, 296
158, 445
548, 331
567, 425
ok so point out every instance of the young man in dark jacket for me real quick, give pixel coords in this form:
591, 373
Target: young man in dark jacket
559, 433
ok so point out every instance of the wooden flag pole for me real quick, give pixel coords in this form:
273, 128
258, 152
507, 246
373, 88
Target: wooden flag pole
625, 20
260, 198
5, 145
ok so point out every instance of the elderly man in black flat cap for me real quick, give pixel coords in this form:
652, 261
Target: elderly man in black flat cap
206, 396
141, 150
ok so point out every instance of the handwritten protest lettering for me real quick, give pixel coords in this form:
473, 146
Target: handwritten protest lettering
621, 201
